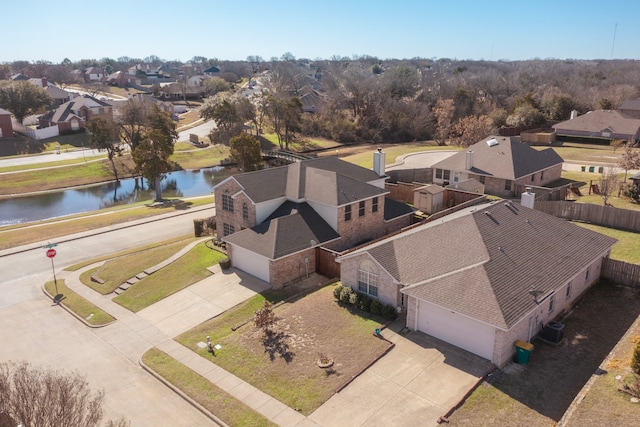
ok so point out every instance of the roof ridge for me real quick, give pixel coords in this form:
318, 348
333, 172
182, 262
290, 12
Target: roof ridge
450, 273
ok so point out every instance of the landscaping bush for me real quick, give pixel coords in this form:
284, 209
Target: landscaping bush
389, 312
365, 303
354, 299
345, 294
376, 307
225, 263
635, 359
336, 291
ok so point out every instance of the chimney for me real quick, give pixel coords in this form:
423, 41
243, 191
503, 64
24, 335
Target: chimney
378, 162
45, 84
574, 114
528, 198
469, 163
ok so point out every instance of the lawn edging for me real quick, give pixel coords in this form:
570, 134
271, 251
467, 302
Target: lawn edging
73, 313
182, 394
445, 418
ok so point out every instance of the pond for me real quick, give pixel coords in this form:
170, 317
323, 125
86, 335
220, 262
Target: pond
56, 204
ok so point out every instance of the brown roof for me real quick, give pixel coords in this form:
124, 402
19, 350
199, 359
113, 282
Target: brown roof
601, 120
483, 262
507, 159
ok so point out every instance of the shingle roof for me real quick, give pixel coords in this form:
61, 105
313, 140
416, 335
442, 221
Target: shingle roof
509, 159
631, 104
482, 263
600, 120
4, 112
67, 110
274, 239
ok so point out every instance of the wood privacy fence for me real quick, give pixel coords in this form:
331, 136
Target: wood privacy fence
621, 219
621, 272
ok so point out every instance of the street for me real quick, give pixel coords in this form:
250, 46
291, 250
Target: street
35, 330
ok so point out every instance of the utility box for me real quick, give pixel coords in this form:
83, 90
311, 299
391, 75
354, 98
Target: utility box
553, 332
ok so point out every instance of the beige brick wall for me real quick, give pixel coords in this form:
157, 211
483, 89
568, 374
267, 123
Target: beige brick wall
285, 270
235, 219
388, 290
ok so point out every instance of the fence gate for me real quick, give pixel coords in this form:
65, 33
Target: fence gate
326, 263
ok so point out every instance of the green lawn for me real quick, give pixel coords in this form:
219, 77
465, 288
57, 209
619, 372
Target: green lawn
628, 247
365, 159
229, 409
118, 270
80, 306
185, 271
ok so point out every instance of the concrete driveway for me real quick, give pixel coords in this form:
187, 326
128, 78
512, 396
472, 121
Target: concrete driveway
418, 381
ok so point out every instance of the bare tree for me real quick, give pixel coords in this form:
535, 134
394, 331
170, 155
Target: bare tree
608, 184
443, 111
470, 130
35, 397
265, 318
630, 159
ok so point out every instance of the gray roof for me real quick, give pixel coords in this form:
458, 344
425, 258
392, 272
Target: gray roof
68, 110
274, 237
324, 179
630, 104
600, 120
4, 112
509, 159
483, 262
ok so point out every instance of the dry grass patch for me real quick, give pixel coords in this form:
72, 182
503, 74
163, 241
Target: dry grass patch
80, 306
285, 363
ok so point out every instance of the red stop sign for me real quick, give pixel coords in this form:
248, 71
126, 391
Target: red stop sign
51, 253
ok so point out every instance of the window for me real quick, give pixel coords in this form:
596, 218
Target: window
368, 279
347, 213
361, 208
228, 229
446, 174
552, 303
245, 211
374, 205
438, 173
507, 184
481, 178
533, 177
227, 202
568, 294
586, 278
541, 175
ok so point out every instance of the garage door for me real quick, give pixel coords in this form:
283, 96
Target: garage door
250, 262
456, 329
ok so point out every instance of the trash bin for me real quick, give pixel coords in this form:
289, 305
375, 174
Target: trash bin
583, 168
523, 351
592, 168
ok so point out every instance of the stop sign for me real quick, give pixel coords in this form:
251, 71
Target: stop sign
51, 253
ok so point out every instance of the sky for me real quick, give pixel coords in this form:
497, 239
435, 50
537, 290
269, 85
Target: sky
230, 30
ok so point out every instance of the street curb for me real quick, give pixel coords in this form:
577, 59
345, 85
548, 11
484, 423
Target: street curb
74, 314
180, 393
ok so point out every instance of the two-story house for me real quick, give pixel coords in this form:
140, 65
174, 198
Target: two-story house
273, 220
503, 165
73, 115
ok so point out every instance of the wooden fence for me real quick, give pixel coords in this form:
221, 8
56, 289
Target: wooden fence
621, 219
621, 272
326, 263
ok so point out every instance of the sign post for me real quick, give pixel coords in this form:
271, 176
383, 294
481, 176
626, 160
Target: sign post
50, 254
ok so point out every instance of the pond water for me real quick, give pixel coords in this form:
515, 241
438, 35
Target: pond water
72, 201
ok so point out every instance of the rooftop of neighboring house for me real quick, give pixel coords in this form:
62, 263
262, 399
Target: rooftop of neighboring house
69, 109
599, 121
501, 157
483, 262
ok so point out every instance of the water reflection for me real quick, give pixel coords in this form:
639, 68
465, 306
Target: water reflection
73, 201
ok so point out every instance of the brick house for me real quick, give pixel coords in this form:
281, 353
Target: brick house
73, 115
502, 164
274, 220
6, 127
604, 124
483, 278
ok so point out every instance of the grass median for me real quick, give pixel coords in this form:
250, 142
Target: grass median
84, 309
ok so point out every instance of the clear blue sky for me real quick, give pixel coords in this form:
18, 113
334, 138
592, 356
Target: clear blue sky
231, 30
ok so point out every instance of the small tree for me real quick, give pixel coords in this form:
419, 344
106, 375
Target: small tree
265, 318
23, 98
608, 184
630, 159
635, 360
443, 112
470, 130
103, 137
245, 151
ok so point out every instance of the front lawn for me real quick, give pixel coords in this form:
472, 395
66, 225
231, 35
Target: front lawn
77, 304
185, 271
285, 364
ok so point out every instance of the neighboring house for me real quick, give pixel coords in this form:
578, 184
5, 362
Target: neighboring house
274, 220
604, 124
60, 96
311, 101
122, 79
502, 164
94, 75
18, 77
482, 278
140, 98
212, 71
6, 127
73, 115
631, 108
180, 90
636, 180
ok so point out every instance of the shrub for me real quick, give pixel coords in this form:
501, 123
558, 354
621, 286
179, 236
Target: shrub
365, 303
345, 294
336, 291
225, 263
376, 307
635, 359
389, 312
354, 299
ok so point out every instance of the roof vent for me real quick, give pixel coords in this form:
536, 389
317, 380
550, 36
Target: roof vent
492, 142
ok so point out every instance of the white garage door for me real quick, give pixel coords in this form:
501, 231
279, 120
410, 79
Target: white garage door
250, 262
456, 329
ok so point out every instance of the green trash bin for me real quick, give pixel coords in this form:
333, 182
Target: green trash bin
583, 168
523, 351
592, 169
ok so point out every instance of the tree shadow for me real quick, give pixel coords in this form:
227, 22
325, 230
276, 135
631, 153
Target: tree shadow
275, 344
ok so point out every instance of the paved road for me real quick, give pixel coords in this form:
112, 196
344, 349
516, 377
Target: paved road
34, 330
